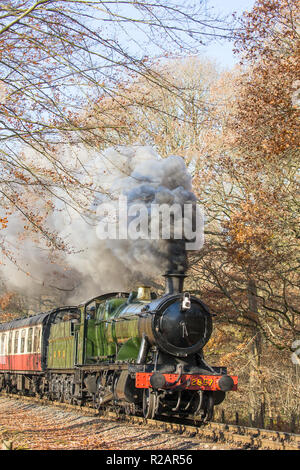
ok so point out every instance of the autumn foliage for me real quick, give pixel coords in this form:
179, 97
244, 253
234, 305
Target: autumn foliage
269, 42
67, 80
248, 270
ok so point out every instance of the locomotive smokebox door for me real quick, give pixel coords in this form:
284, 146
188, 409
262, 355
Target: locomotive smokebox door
181, 332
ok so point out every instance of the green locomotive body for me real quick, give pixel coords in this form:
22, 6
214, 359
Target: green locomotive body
105, 329
61, 348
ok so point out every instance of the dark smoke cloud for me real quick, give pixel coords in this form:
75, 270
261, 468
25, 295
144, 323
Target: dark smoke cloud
98, 266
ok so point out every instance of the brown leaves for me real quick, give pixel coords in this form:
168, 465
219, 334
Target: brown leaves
249, 185
3, 222
265, 105
5, 300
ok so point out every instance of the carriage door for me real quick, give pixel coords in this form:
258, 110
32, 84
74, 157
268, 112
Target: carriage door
9, 349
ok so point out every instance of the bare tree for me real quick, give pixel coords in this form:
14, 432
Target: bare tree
54, 56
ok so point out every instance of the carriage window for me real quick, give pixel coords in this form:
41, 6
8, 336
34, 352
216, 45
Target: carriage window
23, 334
2, 348
36, 340
29, 340
16, 342
10, 342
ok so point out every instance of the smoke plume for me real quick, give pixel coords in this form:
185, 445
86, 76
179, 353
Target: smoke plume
95, 266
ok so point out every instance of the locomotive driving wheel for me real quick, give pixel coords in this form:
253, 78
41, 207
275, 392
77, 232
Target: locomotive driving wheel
150, 403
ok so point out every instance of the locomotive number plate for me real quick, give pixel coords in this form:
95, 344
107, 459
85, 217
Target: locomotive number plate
202, 382
187, 381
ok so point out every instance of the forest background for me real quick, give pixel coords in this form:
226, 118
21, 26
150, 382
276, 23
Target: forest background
81, 76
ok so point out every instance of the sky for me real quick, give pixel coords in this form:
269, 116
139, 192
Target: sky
137, 41
222, 51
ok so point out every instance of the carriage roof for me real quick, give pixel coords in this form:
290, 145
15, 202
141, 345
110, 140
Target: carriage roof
31, 320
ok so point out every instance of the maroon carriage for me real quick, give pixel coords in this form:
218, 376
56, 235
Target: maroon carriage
22, 344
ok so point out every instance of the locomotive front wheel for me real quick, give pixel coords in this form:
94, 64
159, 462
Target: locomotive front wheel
150, 404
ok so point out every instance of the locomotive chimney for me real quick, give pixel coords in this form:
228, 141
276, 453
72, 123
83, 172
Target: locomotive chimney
174, 283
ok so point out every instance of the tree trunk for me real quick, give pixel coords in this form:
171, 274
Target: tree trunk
255, 405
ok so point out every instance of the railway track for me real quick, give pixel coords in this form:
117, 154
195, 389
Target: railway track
241, 437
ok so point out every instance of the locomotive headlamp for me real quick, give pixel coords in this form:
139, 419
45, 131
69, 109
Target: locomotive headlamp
186, 301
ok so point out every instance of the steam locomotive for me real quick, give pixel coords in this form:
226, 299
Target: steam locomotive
137, 352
